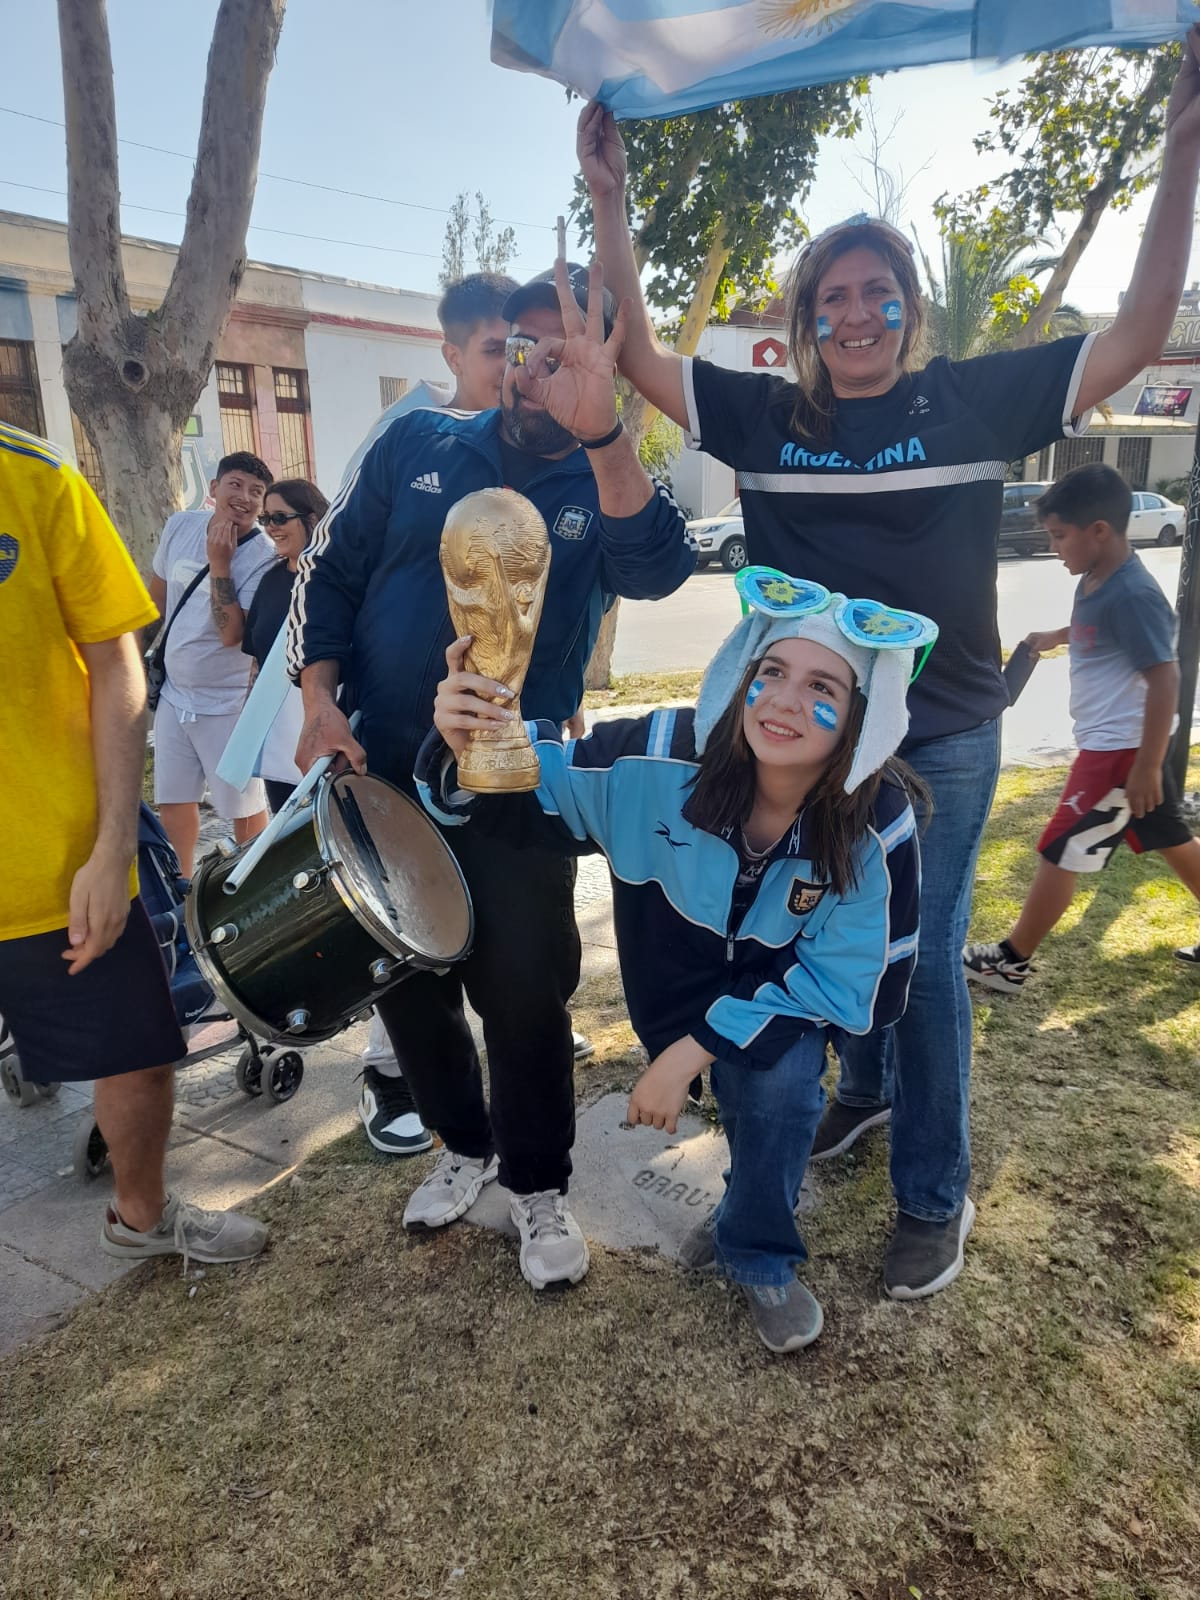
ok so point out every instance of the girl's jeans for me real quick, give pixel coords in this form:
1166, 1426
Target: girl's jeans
922, 1064
770, 1117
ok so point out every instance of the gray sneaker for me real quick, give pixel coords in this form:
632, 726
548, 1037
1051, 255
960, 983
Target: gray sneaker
553, 1249
924, 1257
841, 1126
211, 1237
451, 1189
786, 1317
696, 1253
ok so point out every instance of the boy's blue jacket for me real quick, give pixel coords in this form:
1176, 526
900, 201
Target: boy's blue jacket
370, 592
802, 957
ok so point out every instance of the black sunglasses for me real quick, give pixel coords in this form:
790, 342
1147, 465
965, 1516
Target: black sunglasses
276, 519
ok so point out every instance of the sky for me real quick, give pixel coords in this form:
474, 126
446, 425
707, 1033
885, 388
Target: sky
398, 101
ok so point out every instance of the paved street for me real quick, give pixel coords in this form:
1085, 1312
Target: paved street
683, 631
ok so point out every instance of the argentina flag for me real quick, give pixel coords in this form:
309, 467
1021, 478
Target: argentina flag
660, 58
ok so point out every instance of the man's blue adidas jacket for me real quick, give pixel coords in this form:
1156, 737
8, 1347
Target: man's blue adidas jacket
370, 593
802, 957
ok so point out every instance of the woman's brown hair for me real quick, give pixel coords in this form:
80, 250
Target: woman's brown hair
815, 404
723, 790
302, 496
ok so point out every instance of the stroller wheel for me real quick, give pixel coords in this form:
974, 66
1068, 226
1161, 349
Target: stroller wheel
47, 1091
89, 1156
249, 1071
282, 1075
16, 1087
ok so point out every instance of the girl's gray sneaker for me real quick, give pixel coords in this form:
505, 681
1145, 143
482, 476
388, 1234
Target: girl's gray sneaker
786, 1316
697, 1253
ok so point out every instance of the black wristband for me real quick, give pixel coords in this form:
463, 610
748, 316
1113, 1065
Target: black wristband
618, 428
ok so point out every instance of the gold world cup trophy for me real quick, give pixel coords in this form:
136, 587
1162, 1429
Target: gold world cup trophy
496, 559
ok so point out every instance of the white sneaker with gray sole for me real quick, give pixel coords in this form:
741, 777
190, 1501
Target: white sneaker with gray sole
449, 1191
553, 1249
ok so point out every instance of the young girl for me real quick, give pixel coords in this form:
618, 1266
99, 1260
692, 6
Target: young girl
765, 886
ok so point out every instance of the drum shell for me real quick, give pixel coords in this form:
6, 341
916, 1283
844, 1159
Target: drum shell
294, 949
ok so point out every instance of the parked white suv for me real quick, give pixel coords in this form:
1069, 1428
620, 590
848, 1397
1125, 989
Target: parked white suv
720, 538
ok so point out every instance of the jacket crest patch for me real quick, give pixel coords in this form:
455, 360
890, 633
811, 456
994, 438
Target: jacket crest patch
804, 897
573, 522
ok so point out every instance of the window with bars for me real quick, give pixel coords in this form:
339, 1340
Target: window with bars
391, 390
88, 458
1133, 462
20, 396
1070, 453
291, 409
235, 392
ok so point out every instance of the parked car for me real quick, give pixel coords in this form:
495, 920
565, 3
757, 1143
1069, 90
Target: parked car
1021, 534
721, 538
1155, 520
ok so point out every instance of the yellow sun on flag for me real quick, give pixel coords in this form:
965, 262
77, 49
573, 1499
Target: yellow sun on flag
796, 17
780, 591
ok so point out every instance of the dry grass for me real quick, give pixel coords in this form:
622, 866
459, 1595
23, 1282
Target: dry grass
645, 688
364, 1415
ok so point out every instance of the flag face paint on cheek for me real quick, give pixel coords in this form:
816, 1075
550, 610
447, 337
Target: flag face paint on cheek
893, 313
824, 715
824, 329
753, 692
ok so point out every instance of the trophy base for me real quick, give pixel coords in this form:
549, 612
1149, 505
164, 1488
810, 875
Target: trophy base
499, 780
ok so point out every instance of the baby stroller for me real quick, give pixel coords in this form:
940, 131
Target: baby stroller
265, 1069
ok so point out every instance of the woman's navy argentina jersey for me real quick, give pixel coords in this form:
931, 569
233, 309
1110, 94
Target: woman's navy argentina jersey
801, 956
905, 503
370, 593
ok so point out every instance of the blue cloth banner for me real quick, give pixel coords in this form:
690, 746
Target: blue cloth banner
661, 58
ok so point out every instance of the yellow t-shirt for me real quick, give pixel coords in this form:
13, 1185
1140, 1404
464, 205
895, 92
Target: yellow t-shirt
65, 579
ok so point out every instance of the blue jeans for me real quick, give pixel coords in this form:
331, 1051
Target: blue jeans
770, 1118
922, 1064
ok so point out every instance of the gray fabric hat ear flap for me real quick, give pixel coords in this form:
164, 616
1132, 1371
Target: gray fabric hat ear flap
725, 672
886, 720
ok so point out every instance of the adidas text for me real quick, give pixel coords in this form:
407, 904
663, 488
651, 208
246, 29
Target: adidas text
428, 481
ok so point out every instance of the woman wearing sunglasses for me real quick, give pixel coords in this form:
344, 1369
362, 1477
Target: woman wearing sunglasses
765, 886
880, 474
291, 510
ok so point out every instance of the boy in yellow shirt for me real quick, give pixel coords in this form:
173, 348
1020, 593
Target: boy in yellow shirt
82, 983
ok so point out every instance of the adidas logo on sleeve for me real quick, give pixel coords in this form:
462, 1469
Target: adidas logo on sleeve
429, 481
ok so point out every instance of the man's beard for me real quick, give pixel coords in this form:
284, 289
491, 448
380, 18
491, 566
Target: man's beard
535, 431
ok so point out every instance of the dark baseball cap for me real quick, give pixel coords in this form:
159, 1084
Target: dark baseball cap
542, 291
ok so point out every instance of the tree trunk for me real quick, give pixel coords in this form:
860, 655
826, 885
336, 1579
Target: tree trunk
134, 378
599, 668
1089, 220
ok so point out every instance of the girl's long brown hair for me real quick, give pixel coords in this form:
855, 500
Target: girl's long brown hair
723, 790
815, 403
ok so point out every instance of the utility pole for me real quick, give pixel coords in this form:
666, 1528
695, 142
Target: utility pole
1187, 604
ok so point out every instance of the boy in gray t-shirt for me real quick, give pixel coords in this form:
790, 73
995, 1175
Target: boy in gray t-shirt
1124, 690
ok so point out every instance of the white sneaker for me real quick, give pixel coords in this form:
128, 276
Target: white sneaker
553, 1250
451, 1189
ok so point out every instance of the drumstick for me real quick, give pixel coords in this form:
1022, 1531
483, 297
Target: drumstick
274, 828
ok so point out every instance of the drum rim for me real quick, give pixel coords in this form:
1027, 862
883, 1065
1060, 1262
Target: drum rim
215, 978
423, 960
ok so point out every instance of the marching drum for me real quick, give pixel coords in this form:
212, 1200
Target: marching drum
357, 892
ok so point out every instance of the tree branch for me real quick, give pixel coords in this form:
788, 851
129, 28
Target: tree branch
212, 256
93, 185
1056, 286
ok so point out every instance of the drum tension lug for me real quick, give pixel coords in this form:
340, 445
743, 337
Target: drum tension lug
306, 879
297, 1021
381, 970
224, 933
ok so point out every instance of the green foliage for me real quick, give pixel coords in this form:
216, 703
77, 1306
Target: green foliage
659, 446
740, 167
493, 251
1173, 489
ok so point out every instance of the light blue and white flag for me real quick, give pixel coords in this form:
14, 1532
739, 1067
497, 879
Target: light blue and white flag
661, 58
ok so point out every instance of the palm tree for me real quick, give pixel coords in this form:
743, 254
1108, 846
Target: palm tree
977, 302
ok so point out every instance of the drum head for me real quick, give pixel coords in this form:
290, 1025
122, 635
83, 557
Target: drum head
393, 868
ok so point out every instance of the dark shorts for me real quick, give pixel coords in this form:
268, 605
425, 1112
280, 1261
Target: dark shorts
1093, 815
115, 1016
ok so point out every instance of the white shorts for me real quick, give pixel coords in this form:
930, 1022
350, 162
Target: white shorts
186, 751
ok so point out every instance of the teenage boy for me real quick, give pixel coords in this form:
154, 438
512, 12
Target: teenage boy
82, 981
1124, 689
207, 674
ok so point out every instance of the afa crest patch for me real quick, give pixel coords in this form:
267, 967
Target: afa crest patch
9, 550
804, 897
573, 522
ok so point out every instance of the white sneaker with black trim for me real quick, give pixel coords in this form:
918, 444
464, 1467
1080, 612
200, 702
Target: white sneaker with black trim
553, 1249
993, 967
389, 1114
449, 1191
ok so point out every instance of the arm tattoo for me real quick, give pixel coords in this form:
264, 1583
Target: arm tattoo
222, 594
